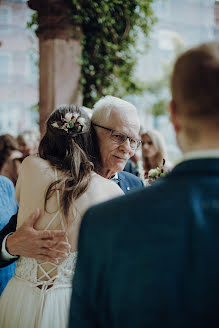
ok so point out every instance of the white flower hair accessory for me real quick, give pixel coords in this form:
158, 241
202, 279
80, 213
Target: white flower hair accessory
71, 123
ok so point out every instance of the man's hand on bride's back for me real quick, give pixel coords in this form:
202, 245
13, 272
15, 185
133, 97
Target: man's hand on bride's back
46, 245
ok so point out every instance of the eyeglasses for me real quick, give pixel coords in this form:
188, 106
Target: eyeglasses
120, 138
19, 159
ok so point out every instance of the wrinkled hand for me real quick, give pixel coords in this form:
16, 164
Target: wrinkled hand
45, 245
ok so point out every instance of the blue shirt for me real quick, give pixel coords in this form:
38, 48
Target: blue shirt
8, 207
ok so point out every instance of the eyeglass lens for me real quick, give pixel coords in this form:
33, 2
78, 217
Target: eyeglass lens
121, 138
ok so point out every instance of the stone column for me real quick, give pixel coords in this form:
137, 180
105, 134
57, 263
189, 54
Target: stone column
60, 51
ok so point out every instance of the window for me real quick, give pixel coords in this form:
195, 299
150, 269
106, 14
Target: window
20, 1
11, 123
163, 8
5, 67
5, 15
15, 1
32, 67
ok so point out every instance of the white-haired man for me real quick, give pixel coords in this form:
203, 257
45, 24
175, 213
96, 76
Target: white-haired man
117, 128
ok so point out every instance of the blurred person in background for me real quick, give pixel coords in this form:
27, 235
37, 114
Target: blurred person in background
8, 207
10, 157
154, 153
135, 165
28, 142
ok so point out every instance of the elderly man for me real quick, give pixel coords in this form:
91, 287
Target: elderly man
117, 128
156, 264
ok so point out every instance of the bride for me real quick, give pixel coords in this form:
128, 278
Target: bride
62, 183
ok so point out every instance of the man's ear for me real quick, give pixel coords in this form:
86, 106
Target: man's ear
174, 116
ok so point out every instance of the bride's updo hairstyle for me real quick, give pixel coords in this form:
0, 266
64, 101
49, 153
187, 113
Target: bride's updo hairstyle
68, 146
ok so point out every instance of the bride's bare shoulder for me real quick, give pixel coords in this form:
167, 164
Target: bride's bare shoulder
103, 184
32, 159
34, 162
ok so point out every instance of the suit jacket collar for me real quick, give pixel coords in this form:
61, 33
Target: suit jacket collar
198, 154
205, 166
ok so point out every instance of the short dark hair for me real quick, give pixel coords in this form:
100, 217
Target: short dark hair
195, 81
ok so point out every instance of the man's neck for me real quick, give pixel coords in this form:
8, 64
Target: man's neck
199, 154
107, 174
199, 148
204, 141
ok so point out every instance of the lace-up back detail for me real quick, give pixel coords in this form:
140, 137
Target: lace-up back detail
46, 274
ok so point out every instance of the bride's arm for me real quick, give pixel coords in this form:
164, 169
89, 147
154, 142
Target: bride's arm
23, 172
46, 245
18, 186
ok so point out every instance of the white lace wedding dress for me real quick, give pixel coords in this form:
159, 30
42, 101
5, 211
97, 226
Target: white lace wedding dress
38, 296
24, 305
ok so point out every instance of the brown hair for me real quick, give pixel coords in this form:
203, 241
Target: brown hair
71, 152
195, 82
7, 144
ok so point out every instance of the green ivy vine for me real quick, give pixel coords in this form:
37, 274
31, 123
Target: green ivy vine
110, 30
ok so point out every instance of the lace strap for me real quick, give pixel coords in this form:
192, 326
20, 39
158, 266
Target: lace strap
57, 190
47, 273
52, 220
58, 201
58, 211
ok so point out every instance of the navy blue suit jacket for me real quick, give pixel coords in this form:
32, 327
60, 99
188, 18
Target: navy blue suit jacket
10, 227
151, 258
127, 182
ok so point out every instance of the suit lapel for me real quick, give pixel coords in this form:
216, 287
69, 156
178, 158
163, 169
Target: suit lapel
123, 183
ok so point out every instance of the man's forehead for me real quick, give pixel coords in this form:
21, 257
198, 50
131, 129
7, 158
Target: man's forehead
126, 122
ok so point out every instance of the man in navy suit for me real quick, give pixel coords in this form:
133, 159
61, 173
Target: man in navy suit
151, 259
117, 129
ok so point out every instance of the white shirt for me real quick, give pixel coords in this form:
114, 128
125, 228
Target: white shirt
5, 255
